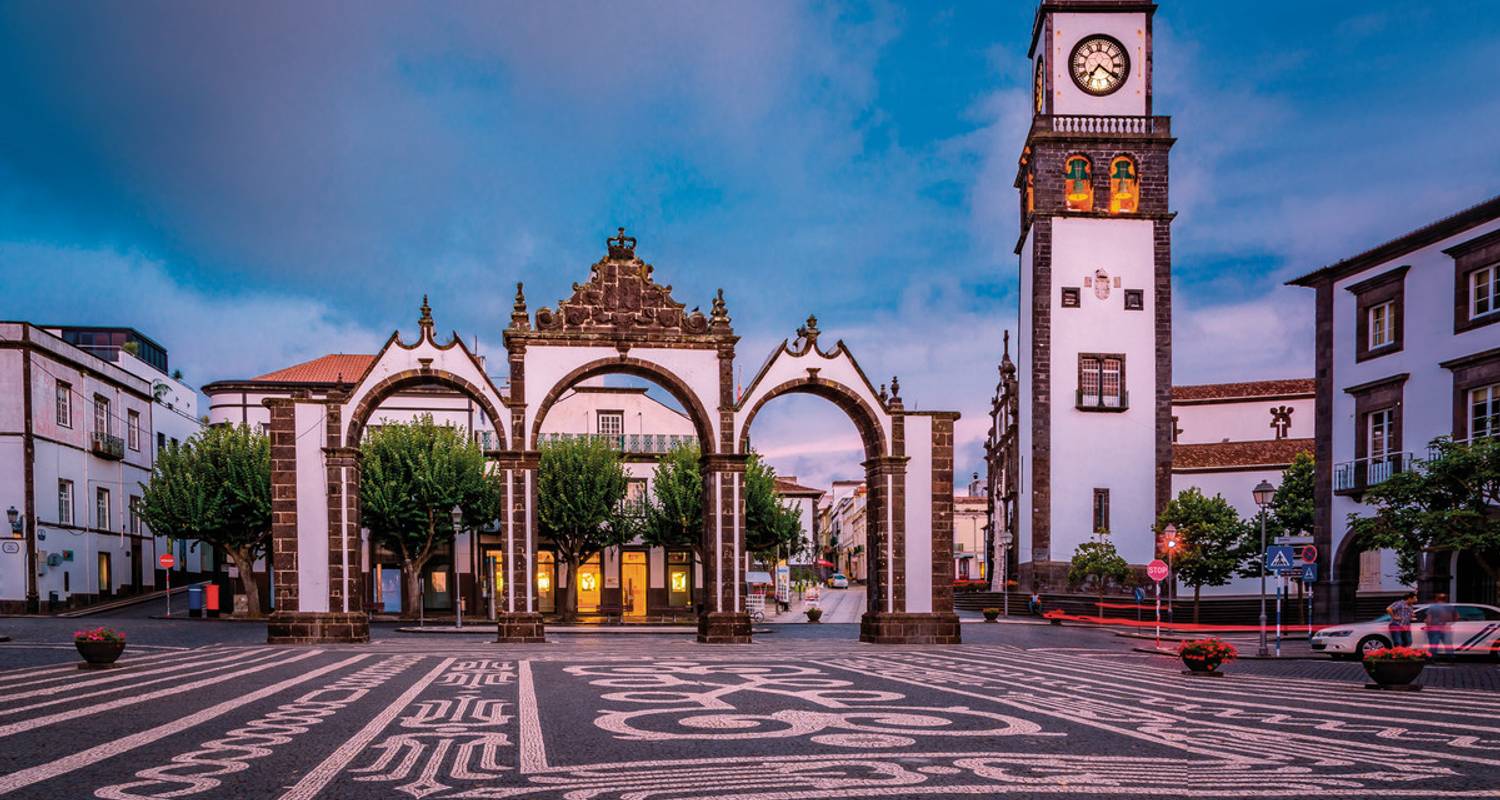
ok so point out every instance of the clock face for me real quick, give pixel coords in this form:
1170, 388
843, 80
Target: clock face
1099, 64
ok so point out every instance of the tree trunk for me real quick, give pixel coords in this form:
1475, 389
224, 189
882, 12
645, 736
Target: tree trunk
411, 600
566, 600
246, 566
1197, 590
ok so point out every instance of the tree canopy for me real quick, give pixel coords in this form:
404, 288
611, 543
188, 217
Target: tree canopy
771, 527
1293, 509
1098, 563
215, 488
1212, 540
581, 489
674, 515
1450, 502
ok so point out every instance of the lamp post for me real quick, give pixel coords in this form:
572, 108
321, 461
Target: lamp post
1263, 493
14, 517
1171, 533
458, 603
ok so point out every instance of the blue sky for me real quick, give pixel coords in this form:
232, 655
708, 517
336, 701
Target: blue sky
254, 185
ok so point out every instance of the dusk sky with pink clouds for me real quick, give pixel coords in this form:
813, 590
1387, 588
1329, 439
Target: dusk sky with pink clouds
258, 184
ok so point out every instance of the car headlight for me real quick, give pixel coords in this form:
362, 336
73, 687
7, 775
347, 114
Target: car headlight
1332, 634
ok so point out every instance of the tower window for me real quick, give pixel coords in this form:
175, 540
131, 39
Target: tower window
1101, 382
1078, 183
1135, 300
1124, 186
1101, 511
1070, 297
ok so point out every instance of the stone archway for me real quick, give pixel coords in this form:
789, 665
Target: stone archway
624, 365
909, 539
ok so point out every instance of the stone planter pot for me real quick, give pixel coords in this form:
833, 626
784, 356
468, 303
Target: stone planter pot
1201, 664
814, 614
1387, 673
991, 614
99, 654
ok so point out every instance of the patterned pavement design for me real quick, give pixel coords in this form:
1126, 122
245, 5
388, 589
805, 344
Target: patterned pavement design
661, 717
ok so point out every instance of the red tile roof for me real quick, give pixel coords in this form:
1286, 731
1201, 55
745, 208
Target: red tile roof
1222, 455
324, 369
1247, 390
789, 485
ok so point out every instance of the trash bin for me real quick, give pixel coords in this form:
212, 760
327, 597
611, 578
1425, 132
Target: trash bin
211, 599
195, 601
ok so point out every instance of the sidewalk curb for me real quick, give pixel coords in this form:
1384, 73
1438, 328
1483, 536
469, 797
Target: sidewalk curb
1173, 654
570, 630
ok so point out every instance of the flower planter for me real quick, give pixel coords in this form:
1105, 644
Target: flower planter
991, 614
1202, 657
814, 614
1392, 674
99, 655
1199, 664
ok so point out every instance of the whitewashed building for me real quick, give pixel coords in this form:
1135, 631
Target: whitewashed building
1408, 350
79, 421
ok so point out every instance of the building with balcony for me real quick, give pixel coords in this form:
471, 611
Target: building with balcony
79, 420
1408, 350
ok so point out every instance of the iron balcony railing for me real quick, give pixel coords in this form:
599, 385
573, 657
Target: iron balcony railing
1362, 473
1433, 451
635, 443
1103, 125
106, 446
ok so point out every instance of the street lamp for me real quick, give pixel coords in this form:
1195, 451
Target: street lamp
14, 517
458, 519
1171, 533
1263, 493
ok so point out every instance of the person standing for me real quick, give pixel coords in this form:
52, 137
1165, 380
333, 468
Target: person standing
1034, 604
1402, 611
1439, 626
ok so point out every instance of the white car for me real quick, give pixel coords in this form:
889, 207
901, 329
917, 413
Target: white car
1475, 631
838, 581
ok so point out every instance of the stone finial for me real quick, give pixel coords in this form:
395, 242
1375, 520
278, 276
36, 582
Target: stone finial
895, 389
621, 246
807, 335
884, 395
518, 317
1007, 367
719, 315
425, 321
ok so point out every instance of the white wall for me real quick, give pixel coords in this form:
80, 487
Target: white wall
1240, 421
1067, 31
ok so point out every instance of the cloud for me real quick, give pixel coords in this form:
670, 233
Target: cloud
1264, 338
207, 336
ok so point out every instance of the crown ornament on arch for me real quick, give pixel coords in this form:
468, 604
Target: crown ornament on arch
621, 246
622, 297
424, 322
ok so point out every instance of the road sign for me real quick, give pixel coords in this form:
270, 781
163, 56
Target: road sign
1310, 573
1279, 558
1157, 570
166, 561
1310, 554
1292, 540
1295, 573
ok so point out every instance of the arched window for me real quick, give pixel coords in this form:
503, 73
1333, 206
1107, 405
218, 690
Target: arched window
1124, 186
1078, 184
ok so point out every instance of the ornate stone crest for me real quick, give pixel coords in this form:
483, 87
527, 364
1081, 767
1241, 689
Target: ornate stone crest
1101, 284
621, 296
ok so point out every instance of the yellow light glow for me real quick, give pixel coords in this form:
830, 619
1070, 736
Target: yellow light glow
543, 581
587, 581
679, 581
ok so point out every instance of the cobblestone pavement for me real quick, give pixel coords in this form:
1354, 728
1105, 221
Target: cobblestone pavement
204, 710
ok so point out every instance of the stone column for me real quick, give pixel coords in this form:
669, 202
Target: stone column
723, 620
314, 526
517, 620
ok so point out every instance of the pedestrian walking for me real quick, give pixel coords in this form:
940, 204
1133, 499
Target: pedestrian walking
1034, 604
1402, 611
1438, 627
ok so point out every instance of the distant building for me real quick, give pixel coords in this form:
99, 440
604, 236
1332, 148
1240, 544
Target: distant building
1408, 350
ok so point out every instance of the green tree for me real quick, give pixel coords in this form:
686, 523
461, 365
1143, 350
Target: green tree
1212, 540
1097, 563
215, 488
581, 488
1449, 503
674, 516
1292, 509
772, 528
412, 476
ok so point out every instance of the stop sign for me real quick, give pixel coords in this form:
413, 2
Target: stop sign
1157, 570
166, 561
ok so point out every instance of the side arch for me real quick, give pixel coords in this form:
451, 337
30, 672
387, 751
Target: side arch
865, 419
359, 417
640, 369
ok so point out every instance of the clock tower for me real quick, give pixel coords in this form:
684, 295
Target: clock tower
1093, 419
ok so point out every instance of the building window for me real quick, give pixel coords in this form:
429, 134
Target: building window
1101, 511
1124, 191
611, 423
161, 442
133, 429
1135, 300
1382, 325
1380, 430
1070, 297
1484, 411
101, 509
1101, 382
64, 404
1378, 322
1484, 291
101, 415
65, 502
1078, 182
135, 514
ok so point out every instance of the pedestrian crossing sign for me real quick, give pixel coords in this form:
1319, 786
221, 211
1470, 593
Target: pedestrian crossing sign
1280, 558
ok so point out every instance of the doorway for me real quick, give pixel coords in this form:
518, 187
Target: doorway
633, 582
106, 577
546, 582
388, 588
590, 585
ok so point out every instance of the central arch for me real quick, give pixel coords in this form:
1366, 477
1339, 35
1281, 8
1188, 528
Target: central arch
636, 367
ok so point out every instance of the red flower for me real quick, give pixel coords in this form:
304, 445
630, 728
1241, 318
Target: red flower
1212, 648
100, 634
1398, 654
